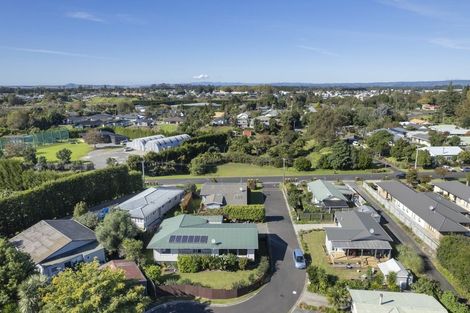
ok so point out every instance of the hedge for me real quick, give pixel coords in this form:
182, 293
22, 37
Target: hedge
453, 254
246, 213
56, 199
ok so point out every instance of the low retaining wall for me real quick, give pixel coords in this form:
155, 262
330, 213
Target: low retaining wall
208, 293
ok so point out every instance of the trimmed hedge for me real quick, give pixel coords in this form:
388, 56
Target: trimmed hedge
244, 213
56, 199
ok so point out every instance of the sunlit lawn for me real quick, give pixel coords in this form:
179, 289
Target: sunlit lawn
79, 149
215, 279
315, 241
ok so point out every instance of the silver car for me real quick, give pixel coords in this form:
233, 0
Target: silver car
299, 259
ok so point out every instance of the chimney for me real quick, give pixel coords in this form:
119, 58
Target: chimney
381, 298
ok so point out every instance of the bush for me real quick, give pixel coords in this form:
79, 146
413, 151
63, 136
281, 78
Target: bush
56, 199
153, 272
320, 281
79, 209
453, 254
229, 262
249, 213
263, 266
188, 263
89, 219
242, 263
410, 259
452, 304
302, 164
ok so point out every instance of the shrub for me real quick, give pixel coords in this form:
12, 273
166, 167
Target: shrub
453, 254
79, 209
188, 263
229, 262
89, 219
302, 164
410, 259
242, 263
249, 213
153, 272
451, 302
263, 266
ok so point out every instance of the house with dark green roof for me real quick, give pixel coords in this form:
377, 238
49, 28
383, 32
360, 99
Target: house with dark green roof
189, 234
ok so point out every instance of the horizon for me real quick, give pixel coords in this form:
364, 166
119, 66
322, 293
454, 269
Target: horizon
266, 42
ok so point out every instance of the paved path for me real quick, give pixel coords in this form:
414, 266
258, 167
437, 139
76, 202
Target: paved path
402, 236
282, 292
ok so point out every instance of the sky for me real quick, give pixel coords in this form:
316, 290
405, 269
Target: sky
127, 42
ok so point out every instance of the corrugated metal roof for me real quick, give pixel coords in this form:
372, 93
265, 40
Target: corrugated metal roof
224, 235
439, 217
456, 188
233, 193
146, 202
323, 190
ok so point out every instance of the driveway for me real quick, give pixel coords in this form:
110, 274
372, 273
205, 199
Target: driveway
99, 156
282, 292
399, 235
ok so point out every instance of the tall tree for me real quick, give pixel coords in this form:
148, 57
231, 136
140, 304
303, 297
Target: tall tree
340, 157
15, 267
90, 289
116, 227
30, 293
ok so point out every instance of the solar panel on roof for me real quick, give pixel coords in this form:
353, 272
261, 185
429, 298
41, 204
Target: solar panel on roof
178, 239
197, 239
190, 239
185, 239
204, 239
172, 239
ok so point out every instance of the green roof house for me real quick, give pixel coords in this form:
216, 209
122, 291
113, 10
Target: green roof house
189, 234
327, 195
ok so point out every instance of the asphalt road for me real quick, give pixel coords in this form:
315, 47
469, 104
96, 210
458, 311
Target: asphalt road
401, 236
286, 284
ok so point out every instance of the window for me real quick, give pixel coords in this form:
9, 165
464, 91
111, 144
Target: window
222, 251
242, 252
164, 251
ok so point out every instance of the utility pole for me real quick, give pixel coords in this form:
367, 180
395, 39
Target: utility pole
416, 158
143, 171
284, 168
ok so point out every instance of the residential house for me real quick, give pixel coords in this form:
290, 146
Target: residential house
429, 218
446, 152
419, 138
219, 119
130, 269
189, 234
149, 206
378, 301
452, 130
55, 245
113, 138
369, 210
217, 195
176, 120
429, 107
455, 191
329, 196
243, 120
357, 234
404, 277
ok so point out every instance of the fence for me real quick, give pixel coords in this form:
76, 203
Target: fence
315, 216
36, 139
417, 229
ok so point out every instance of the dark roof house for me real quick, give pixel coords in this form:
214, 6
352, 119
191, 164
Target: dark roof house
216, 195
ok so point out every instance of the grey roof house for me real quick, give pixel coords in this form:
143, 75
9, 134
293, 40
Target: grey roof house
328, 195
357, 234
55, 245
149, 206
217, 195
455, 191
189, 234
429, 217
404, 277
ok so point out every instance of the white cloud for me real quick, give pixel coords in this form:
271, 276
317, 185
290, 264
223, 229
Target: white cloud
451, 43
201, 76
81, 15
318, 50
55, 52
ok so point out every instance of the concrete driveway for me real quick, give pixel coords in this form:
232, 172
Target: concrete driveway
99, 156
287, 283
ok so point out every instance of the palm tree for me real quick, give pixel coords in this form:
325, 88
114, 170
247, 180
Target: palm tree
30, 293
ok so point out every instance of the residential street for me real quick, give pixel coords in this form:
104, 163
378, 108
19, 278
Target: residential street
286, 285
401, 236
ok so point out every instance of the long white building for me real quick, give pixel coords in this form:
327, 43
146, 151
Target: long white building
157, 143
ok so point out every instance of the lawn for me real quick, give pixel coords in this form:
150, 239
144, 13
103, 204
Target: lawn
315, 241
168, 128
215, 279
113, 100
79, 149
315, 156
248, 170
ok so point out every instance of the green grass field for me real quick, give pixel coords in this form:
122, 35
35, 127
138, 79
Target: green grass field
168, 128
248, 170
215, 279
315, 156
107, 100
79, 149
315, 241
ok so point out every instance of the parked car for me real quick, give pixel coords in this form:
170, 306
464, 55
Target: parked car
400, 175
449, 168
465, 169
102, 213
299, 259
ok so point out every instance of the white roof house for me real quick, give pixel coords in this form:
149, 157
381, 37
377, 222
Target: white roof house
150, 205
451, 129
447, 152
404, 278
